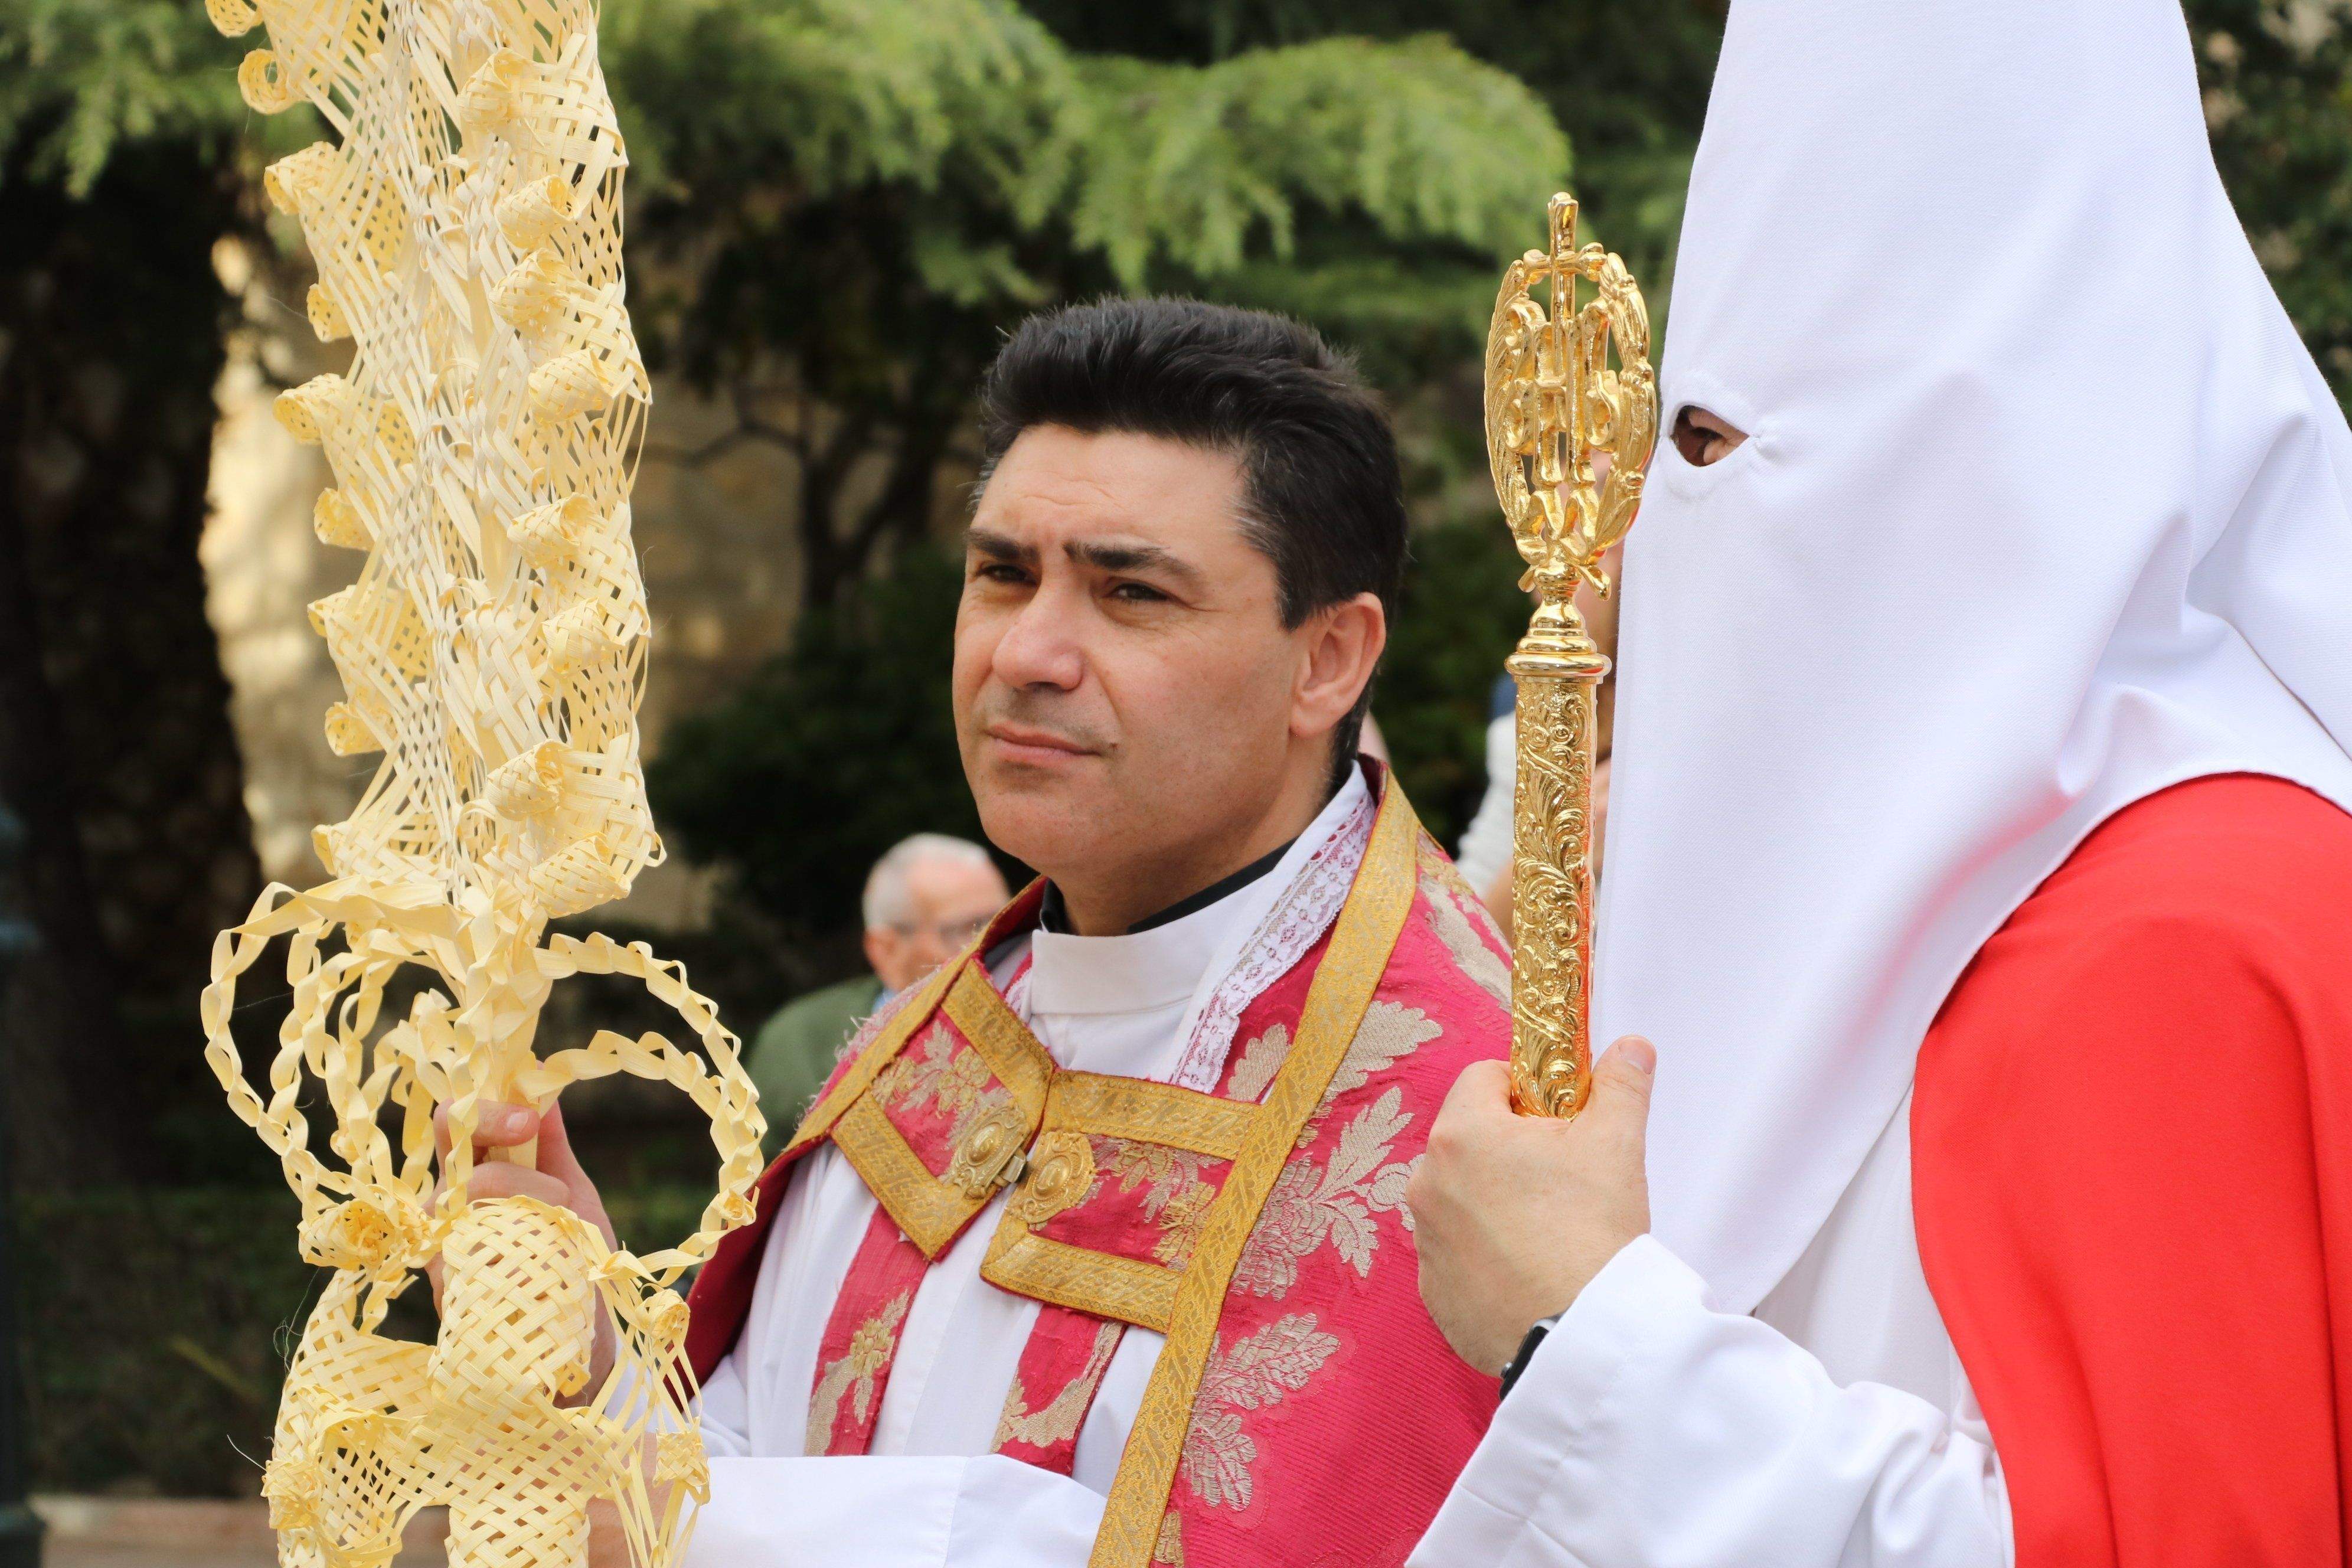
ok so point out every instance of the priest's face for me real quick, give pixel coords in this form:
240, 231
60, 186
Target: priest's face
1126, 692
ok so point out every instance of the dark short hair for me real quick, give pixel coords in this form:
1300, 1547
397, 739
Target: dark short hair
1323, 498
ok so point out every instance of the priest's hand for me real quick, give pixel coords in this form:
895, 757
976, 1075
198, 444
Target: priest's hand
553, 1177
1513, 1214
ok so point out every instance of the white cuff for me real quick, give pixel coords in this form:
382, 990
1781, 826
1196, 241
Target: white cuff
889, 1512
1560, 1400
1650, 1431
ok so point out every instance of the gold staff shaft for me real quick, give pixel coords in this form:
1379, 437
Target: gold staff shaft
1559, 672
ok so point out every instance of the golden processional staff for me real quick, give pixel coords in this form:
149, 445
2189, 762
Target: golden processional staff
1554, 404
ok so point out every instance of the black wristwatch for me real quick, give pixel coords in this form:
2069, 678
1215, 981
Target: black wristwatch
1527, 1351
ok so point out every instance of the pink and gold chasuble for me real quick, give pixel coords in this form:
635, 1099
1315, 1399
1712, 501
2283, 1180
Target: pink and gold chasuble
1304, 1409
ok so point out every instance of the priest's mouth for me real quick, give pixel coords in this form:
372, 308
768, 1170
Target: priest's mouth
1035, 748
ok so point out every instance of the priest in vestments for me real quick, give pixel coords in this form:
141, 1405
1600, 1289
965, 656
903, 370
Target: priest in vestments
1980, 870
1093, 1249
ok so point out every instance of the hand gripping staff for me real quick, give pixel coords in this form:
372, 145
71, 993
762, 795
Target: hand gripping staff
466, 228
1553, 404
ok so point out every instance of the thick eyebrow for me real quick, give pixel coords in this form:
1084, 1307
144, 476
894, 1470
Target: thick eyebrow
1000, 546
1139, 558
1124, 558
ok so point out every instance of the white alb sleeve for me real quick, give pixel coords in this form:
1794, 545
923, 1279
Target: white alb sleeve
724, 1411
874, 1511
1486, 847
887, 1512
1650, 1431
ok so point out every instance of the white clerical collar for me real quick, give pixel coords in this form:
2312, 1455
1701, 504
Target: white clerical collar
1131, 974
1182, 959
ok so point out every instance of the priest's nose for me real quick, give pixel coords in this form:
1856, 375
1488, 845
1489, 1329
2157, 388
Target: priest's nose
1041, 646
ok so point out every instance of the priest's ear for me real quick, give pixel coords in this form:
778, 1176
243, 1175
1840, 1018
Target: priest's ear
1340, 645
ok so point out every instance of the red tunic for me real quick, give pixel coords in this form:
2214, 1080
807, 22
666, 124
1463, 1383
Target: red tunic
2132, 1166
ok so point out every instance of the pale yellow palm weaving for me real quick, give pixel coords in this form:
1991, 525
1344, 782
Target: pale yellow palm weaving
467, 230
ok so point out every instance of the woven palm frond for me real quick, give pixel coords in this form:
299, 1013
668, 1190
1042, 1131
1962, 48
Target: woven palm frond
465, 223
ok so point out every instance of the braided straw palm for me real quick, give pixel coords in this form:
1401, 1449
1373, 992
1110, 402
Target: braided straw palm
466, 229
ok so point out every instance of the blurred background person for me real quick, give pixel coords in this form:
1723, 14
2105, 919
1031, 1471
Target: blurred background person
927, 897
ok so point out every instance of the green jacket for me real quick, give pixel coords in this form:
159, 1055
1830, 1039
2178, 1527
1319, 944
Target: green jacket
795, 1050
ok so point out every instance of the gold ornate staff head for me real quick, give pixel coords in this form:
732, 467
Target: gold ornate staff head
1568, 434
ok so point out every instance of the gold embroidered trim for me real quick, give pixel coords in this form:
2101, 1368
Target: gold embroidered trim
1185, 1305
926, 1208
1102, 1283
1147, 1114
1151, 1113
1002, 1040
877, 1056
1342, 988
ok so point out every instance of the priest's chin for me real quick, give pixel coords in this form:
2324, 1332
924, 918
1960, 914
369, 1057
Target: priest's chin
1040, 804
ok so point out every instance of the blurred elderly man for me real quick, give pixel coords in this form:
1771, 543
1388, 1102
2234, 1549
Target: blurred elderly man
925, 899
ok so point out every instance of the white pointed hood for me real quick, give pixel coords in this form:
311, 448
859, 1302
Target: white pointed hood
2044, 508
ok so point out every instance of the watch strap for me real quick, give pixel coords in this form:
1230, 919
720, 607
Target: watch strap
1527, 1347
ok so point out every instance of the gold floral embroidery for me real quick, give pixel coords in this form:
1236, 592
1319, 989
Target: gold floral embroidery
1180, 1222
1337, 1205
1390, 1033
1261, 1059
1168, 1552
1058, 1421
854, 1373
985, 1128
1452, 917
955, 1083
1253, 1373
1176, 1195
1438, 866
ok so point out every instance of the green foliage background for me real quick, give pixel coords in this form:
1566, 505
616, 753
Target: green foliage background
840, 745
158, 1324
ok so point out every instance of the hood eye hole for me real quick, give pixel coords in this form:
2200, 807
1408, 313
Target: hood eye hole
1705, 437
